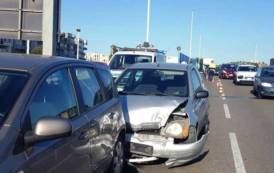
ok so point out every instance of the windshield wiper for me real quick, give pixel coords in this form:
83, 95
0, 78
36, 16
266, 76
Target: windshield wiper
130, 93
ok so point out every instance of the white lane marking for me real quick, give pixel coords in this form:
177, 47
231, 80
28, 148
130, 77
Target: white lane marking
238, 160
223, 96
227, 112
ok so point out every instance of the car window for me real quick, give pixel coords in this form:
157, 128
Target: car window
123, 61
154, 82
54, 97
196, 83
90, 88
11, 85
108, 82
247, 68
267, 72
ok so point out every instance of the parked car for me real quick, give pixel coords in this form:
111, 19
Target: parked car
264, 82
122, 59
58, 115
166, 111
227, 71
245, 74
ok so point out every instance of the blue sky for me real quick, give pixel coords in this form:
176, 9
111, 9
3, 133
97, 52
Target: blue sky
230, 29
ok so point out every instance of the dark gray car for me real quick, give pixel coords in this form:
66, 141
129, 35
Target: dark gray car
166, 111
58, 115
264, 82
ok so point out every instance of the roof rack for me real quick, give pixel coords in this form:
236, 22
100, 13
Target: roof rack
146, 47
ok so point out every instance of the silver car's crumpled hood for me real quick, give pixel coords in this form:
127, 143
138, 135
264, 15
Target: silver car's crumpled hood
148, 112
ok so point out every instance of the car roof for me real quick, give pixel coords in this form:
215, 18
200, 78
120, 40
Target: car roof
137, 53
28, 63
166, 66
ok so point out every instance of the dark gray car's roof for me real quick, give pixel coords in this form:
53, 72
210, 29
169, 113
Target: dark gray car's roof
168, 66
29, 63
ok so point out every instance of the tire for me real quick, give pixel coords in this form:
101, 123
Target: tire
118, 160
259, 95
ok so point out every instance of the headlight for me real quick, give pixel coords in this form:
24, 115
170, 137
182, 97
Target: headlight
177, 129
265, 84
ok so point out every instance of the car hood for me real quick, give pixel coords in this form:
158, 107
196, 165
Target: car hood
148, 112
267, 79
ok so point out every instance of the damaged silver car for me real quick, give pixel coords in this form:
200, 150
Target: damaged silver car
166, 110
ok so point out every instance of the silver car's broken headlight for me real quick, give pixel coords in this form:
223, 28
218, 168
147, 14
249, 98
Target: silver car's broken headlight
177, 129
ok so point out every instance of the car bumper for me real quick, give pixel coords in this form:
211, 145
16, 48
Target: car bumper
227, 76
267, 91
246, 80
161, 147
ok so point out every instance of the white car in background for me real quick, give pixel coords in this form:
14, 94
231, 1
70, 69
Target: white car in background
122, 59
245, 74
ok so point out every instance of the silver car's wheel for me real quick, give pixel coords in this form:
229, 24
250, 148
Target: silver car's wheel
118, 158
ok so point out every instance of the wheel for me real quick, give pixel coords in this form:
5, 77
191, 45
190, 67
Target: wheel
259, 95
118, 160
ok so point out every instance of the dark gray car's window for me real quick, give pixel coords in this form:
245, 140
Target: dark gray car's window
196, 83
267, 72
11, 85
107, 79
89, 87
123, 61
55, 97
153, 82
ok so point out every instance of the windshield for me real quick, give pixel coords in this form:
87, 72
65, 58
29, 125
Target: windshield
228, 67
11, 85
123, 61
247, 68
268, 72
153, 82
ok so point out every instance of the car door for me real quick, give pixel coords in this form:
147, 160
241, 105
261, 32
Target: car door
55, 96
200, 105
97, 110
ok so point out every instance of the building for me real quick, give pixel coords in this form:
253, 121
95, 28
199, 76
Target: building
67, 46
97, 57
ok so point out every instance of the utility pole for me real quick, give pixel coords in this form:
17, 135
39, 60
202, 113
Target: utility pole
148, 21
200, 47
78, 42
190, 40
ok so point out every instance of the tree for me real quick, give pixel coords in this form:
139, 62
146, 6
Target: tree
37, 50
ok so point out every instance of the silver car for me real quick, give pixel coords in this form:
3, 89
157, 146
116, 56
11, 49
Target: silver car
166, 112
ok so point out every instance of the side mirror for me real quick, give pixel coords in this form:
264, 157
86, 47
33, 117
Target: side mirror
48, 128
200, 94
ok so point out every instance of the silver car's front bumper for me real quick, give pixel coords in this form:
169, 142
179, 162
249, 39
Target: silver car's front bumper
177, 154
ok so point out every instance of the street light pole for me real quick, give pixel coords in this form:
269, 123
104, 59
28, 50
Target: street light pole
78, 42
190, 40
148, 21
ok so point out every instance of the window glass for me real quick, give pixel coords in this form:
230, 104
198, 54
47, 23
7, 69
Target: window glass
108, 82
195, 80
90, 88
267, 72
11, 85
247, 68
55, 97
123, 61
153, 82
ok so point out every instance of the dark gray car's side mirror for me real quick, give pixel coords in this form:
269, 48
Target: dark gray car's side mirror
200, 94
48, 128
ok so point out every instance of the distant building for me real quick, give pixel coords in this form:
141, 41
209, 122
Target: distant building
67, 46
97, 57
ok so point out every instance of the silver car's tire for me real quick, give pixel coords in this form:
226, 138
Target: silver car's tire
118, 161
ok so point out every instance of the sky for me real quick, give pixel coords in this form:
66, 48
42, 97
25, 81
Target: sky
229, 29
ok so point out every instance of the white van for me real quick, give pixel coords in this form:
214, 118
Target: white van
122, 59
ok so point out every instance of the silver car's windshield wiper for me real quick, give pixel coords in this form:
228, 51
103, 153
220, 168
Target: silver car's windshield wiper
130, 93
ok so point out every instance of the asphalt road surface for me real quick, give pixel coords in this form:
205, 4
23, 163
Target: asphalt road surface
241, 136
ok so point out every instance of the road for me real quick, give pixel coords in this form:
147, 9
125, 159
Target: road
241, 135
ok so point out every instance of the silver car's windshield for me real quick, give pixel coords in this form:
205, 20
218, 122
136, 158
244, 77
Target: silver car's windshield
11, 85
268, 72
123, 61
153, 82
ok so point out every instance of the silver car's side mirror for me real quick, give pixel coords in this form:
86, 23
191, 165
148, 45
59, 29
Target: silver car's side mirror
48, 128
201, 94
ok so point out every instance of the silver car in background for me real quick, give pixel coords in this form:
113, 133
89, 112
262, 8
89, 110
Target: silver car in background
166, 112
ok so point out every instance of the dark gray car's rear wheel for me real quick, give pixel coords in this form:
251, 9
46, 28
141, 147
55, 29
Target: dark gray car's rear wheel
118, 161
